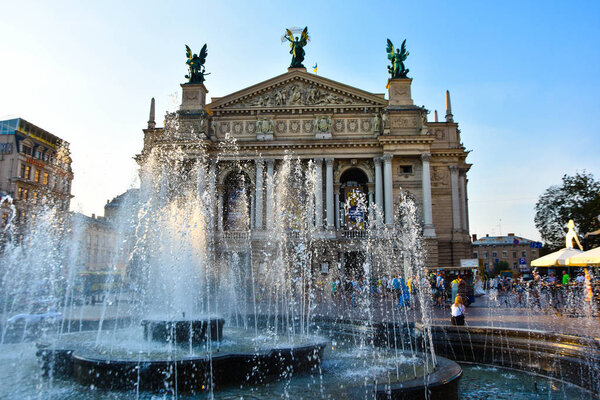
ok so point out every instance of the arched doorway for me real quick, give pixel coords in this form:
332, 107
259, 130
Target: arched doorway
236, 210
353, 198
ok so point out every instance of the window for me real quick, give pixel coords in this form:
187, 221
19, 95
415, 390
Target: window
26, 149
36, 175
515, 266
54, 179
504, 254
485, 254
475, 254
514, 254
38, 155
25, 171
25, 193
494, 254
35, 197
46, 178
406, 169
523, 254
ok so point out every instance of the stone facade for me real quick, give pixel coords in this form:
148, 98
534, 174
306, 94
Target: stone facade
35, 171
387, 144
512, 249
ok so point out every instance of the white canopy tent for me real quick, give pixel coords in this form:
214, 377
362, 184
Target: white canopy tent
590, 257
557, 259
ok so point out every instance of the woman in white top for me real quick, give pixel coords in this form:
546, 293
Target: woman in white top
457, 311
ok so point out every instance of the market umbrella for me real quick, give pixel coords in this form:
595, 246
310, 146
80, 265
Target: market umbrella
586, 258
555, 259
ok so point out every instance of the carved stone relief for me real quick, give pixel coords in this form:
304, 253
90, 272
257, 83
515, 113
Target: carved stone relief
307, 126
281, 126
322, 124
237, 128
439, 176
251, 127
365, 125
353, 125
339, 125
439, 134
404, 122
294, 94
224, 127
295, 126
264, 126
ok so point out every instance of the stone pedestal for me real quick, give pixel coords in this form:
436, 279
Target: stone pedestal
399, 92
193, 97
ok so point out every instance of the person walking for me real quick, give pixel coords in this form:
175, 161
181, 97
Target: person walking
457, 312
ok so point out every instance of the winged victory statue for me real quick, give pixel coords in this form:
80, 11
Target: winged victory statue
397, 69
297, 46
195, 63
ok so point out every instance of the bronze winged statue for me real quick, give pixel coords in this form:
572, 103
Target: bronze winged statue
196, 64
397, 69
297, 47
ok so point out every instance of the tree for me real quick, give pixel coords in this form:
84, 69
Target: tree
578, 198
500, 266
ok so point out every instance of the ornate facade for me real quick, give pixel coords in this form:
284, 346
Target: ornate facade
357, 141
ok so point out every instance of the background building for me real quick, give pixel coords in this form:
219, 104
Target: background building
360, 142
35, 169
516, 251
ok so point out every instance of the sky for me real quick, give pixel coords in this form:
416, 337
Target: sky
523, 77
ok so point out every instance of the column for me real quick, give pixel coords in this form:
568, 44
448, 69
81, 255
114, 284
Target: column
455, 198
378, 188
388, 187
329, 192
429, 230
319, 193
463, 201
258, 196
270, 194
252, 212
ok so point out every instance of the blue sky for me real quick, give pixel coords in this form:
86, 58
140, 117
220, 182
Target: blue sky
523, 78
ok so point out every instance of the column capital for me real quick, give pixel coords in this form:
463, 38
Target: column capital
270, 162
387, 158
453, 168
318, 160
425, 157
259, 162
329, 161
377, 159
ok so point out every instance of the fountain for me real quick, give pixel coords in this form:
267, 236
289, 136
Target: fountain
202, 318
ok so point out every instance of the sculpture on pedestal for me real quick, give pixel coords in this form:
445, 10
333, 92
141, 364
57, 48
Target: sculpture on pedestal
297, 46
397, 69
195, 63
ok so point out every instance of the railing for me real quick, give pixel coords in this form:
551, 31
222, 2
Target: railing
239, 235
353, 234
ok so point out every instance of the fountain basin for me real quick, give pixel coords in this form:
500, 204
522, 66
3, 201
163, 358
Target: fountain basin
183, 331
119, 361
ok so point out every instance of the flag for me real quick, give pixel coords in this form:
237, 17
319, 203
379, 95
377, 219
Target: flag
315, 68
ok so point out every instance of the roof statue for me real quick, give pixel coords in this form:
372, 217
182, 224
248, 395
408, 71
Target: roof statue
297, 46
195, 63
397, 69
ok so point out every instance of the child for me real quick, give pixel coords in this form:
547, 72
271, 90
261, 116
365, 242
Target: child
457, 311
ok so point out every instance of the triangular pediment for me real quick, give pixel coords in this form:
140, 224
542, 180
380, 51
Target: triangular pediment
297, 89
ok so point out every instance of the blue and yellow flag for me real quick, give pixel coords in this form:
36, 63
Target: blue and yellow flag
315, 68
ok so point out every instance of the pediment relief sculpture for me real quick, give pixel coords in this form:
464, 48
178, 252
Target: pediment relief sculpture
296, 94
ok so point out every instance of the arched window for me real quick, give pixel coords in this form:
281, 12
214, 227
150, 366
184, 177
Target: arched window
236, 210
354, 199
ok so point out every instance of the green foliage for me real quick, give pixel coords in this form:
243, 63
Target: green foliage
500, 266
578, 198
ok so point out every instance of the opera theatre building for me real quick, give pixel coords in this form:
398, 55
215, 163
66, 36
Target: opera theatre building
371, 146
